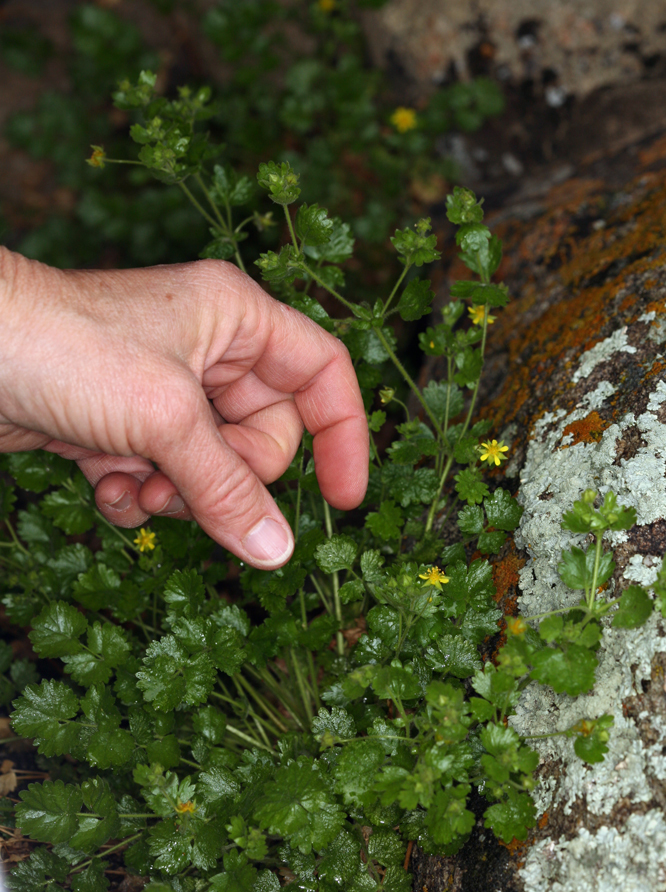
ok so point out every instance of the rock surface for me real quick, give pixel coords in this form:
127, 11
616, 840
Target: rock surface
576, 383
571, 46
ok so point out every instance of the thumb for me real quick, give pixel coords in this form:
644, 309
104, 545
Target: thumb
224, 495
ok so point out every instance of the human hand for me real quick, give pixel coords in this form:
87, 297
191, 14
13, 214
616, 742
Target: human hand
179, 390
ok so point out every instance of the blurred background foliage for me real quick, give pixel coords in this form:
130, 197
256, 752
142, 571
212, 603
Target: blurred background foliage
292, 81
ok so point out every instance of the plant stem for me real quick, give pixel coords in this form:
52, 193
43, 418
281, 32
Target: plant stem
595, 572
249, 739
331, 291
405, 374
395, 288
336, 585
290, 224
440, 487
224, 225
261, 701
204, 213
16, 539
305, 694
478, 380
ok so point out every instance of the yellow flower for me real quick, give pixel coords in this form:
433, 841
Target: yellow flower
435, 577
492, 452
477, 314
186, 808
327, 5
145, 540
403, 119
516, 625
386, 394
98, 157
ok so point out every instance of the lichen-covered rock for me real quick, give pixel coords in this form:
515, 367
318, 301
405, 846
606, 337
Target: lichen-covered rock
577, 385
572, 46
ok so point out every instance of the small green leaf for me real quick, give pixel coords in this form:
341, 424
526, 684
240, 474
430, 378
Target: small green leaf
313, 225
592, 737
447, 817
353, 590
376, 421
338, 248
184, 592
550, 628
462, 206
68, 511
37, 470
103, 822
416, 300
280, 181
634, 609
470, 520
394, 683
228, 186
386, 523
502, 510
512, 818
469, 363
416, 247
454, 655
57, 629
567, 672
491, 543
470, 486
577, 567
437, 395
285, 266
298, 805
48, 812
98, 587
338, 553
92, 879
44, 713
371, 566
356, 768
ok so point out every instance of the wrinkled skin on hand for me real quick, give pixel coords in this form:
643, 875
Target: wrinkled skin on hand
179, 390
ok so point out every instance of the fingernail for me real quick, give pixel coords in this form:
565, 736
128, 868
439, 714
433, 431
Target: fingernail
123, 501
269, 541
173, 506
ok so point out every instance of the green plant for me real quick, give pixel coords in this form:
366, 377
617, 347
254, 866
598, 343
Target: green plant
299, 89
306, 723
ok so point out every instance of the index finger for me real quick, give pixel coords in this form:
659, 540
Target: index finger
301, 358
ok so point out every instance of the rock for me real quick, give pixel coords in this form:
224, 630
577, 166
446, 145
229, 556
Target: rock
571, 47
576, 383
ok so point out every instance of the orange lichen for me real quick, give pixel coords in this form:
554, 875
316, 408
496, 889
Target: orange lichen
586, 430
657, 368
506, 574
516, 849
543, 820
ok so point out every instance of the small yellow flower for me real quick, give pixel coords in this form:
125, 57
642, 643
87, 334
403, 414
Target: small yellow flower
386, 394
432, 345
477, 314
492, 452
403, 119
145, 540
434, 576
97, 158
516, 625
327, 5
186, 808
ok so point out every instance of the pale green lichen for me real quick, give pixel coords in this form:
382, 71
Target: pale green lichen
601, 352
631, 859
611, 857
